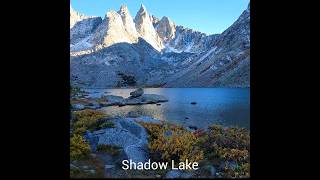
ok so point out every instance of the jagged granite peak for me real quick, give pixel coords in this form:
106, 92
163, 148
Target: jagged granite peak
128, 23
188, 40
111, 31
166, 29
146, 29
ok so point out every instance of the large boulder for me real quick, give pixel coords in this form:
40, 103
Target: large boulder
127, 134
136, 93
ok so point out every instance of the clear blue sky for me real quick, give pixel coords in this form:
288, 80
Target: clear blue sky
208, 16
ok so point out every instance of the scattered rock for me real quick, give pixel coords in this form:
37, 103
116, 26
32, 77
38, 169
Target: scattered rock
78, 106
136, 93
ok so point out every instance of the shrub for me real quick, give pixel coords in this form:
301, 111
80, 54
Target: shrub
107, 124
173, 142
113, 150
86, 119
242, 171
79, 149
80, 130
223, 145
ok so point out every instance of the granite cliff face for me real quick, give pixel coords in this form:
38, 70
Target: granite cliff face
120, 51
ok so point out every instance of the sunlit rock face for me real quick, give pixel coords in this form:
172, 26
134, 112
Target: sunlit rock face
166, 29
128, 23
146, 30
111, 31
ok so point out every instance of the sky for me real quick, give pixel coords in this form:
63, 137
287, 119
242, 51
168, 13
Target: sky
207, 16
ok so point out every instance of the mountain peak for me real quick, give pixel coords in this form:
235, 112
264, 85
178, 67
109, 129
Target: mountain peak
166, 29
142, 8
166, 20
142, 11
112, 14
123, 10
128, 23
145, 28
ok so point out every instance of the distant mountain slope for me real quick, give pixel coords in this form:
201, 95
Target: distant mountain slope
226, 64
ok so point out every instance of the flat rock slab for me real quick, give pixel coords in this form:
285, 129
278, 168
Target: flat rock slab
127, 134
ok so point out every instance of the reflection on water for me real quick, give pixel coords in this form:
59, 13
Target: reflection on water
224, 106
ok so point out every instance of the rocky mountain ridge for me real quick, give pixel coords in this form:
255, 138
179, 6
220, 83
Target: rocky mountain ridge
147, 51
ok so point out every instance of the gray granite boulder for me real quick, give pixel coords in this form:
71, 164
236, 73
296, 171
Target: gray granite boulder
136, 93
127, 134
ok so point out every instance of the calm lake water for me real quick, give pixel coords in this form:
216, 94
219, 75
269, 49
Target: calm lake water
223, 106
